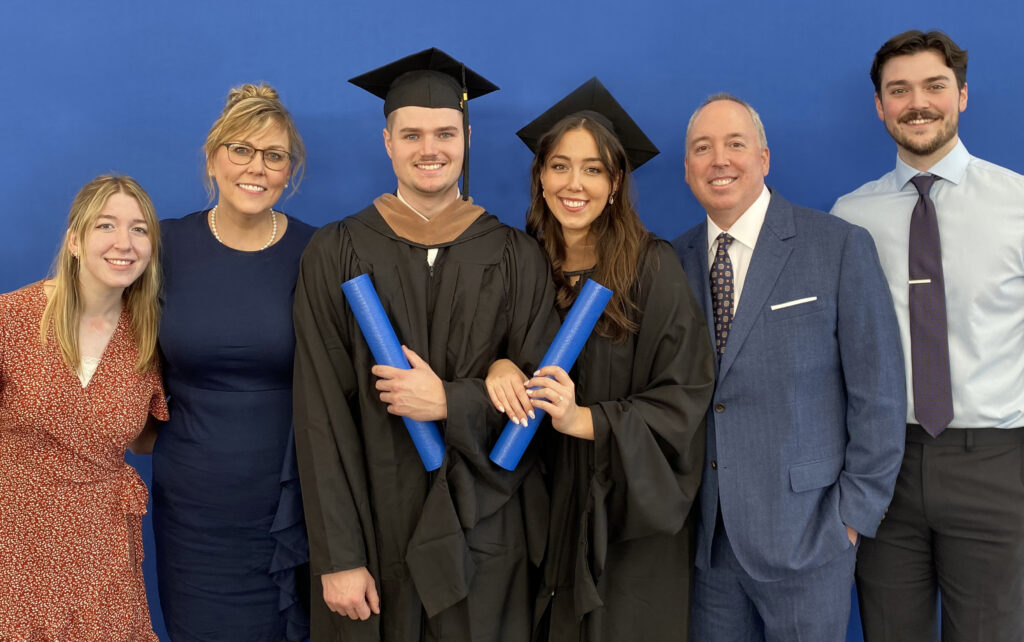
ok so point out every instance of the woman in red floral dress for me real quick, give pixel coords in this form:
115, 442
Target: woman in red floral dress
79, 378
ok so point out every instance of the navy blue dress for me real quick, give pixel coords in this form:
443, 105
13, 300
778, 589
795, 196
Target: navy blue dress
227, 514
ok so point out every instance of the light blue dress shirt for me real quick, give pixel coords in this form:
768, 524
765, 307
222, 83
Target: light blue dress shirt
980, 209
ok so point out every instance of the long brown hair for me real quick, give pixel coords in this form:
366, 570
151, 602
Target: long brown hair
619, 237
63, 311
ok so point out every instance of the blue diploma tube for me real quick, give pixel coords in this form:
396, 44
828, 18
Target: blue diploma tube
380, 335
564, 350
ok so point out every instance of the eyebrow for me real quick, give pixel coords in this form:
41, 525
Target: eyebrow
250, 144
417, 130
132, 222
727, 136
594, 159
900, 82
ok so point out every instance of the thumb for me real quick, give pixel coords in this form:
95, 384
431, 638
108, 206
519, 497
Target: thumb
372, 598
414, 359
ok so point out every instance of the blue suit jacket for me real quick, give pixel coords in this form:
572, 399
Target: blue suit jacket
806, 429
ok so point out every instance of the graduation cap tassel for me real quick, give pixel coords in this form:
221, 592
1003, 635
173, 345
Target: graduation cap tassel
465, 134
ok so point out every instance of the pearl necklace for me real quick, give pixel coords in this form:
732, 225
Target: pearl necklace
273, 232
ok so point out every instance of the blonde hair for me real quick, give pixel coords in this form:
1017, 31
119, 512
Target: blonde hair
252, 109
64, 309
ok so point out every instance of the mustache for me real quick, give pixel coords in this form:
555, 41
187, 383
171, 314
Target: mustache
914, 115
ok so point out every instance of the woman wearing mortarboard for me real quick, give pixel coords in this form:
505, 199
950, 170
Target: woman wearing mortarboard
625, 448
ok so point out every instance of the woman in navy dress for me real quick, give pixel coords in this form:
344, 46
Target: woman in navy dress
230, 539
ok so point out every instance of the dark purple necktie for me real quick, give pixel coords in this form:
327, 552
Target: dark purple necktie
929, 342
722, 292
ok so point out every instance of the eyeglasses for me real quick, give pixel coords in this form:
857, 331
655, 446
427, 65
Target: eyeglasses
242, 154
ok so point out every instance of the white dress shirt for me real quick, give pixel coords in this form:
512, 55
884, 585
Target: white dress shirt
980, 210
745, 231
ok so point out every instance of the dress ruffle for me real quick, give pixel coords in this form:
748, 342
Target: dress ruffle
291, 547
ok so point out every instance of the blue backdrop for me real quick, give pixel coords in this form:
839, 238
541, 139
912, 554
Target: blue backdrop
134, 86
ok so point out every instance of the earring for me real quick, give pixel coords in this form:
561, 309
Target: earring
611, 198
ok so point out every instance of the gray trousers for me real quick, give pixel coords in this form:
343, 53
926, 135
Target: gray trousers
955, 528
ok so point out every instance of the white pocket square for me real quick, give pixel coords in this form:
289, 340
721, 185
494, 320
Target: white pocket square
789, 304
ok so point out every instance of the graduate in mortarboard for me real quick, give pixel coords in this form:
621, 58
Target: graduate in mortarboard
399, 553
625, 446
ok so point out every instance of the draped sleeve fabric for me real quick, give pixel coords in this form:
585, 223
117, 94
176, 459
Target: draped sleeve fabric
620, 552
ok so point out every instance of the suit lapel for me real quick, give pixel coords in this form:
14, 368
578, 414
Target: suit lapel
770, 255
695, 264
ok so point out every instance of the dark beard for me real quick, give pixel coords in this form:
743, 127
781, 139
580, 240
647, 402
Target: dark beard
917, 146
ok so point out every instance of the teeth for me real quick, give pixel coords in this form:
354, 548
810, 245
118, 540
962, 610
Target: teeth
919, 121
722, 181
252, 188
572, 203
429, 166
119, 261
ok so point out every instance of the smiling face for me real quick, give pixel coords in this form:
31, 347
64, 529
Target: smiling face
426, 150
920, 104
725, 162
115, 249
576, 182
250, 189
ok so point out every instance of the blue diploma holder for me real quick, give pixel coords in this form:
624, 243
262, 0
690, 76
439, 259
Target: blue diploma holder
564, 350
387, 351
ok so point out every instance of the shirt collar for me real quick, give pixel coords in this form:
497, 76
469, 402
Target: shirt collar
748, 226
950, 167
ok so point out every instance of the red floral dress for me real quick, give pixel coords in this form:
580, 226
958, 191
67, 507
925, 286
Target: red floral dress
70, 507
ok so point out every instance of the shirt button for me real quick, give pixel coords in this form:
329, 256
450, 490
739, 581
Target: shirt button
719, 407
714, 465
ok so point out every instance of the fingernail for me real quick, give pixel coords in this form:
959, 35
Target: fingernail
501, 410
532, 416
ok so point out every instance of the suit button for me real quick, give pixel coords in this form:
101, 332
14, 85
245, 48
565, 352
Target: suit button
719, 407
714, 465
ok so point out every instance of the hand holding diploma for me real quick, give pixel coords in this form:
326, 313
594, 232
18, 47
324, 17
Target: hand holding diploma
564, 350
387, 351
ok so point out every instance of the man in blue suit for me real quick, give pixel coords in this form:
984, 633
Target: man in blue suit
807, 424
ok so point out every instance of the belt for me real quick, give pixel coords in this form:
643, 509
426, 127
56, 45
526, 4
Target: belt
966, 437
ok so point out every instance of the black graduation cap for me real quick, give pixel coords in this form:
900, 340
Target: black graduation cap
593, 100
430, 78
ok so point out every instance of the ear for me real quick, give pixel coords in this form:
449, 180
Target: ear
72, 242
878, 107
686, 168
765, 161
469, 135
617, 182
963, 97
387, 142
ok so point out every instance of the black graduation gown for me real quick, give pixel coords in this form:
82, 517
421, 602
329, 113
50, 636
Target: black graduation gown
449, 551
620, 552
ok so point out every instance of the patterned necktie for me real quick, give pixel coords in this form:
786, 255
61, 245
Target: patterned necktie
722, 292
929, 343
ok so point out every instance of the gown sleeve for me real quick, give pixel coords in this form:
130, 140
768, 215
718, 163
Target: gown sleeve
473, 425
327, 442
649, 445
